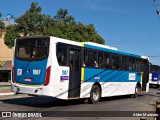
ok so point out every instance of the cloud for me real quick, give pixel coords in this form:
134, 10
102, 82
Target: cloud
102, 5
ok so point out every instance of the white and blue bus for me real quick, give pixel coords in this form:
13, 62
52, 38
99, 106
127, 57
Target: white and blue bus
154, 75
65, 69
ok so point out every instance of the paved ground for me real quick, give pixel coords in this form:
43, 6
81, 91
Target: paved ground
5, 87
109, 106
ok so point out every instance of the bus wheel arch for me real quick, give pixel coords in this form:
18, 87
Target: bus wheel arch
95, 93
138, 89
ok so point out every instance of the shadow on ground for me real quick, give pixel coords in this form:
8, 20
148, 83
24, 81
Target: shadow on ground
45, 101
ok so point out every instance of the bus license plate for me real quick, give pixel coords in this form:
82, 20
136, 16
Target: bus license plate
28, 79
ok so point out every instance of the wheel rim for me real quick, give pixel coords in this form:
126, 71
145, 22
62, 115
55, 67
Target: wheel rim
138, 89
95, 95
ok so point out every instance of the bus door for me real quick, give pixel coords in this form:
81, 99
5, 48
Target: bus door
75, 71
145, 77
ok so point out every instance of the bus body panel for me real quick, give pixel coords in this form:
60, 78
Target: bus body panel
30, 72
112, 82
60, 82
60, 74
154, 75
109, 88
104, 75
110, 50
154, 79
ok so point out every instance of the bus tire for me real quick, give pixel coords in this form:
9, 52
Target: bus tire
95, 94
137, 91
157, 86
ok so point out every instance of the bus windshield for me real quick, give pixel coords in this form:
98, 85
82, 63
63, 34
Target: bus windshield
32, 48
155, 69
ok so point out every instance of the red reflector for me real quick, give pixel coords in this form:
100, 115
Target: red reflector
12, 74
47, 76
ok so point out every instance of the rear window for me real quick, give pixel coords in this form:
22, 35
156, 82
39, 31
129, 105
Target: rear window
32, 48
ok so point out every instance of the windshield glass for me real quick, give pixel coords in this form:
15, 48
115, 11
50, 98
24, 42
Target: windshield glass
155, 69
32, 48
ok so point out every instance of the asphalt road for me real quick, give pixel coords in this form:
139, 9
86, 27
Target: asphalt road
110, 108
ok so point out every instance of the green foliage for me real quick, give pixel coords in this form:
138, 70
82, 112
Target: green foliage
65, 27
11, 35
62, 25
1, 25
31, 22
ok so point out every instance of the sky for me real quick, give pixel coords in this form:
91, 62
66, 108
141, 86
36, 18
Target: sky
129, 25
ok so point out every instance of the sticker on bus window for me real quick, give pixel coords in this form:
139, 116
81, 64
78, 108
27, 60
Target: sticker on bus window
132, 76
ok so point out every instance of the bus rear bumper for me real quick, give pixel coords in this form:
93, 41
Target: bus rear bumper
32, 90
155, 83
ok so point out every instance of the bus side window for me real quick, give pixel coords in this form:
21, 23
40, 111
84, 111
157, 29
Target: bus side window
106, 61
131, 64
100, 59
116, 63
62, 54
71, 54
85, 59
124, 63
90, 58
138, 65
94, 59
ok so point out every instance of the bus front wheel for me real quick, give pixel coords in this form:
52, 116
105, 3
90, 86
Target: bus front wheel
137, 90
95, 94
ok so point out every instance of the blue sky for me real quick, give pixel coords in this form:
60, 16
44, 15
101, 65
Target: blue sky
130, 25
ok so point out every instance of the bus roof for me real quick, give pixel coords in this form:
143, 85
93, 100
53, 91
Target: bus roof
100, 45
110, 49
93, 46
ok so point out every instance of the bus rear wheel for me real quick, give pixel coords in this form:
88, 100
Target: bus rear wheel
95, 95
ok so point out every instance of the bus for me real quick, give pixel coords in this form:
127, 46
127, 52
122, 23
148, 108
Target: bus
154, 75
66, 69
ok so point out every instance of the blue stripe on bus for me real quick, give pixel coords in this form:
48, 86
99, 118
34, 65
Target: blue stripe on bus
103, 75
109, 50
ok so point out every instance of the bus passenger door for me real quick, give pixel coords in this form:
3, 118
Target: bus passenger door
145, 77
75, 71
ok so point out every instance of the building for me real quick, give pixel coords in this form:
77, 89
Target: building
5, 61
5, 52
8, 20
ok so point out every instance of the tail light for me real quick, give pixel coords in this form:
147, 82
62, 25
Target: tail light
12, 74
47, 76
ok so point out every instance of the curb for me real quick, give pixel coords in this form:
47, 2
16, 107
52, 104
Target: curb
3, 94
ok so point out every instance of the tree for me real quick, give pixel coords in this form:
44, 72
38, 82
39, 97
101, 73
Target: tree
31, 22
11, 35
62, 25
1, 25
66, 27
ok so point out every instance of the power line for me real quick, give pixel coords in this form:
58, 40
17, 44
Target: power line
134, 41
150, 39
154, 56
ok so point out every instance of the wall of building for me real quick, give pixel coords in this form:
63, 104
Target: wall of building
5, 55
5, 52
